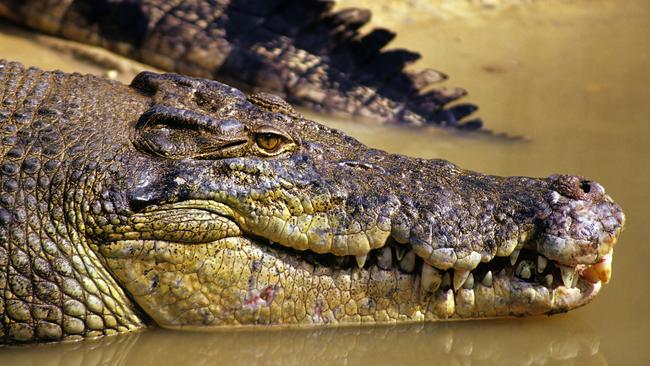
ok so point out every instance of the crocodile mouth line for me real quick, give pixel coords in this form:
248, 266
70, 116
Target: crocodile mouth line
524, 265
207, 262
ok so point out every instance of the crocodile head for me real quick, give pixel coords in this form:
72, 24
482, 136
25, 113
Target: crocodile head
235, 210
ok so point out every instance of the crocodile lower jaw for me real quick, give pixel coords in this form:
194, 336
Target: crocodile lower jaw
239, 281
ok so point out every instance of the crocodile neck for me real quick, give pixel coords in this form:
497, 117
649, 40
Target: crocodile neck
53, 285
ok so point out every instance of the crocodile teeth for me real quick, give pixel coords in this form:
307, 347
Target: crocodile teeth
524, 270
513, 257
541, 264
601, 271
460, 276
487, 280
469, 282
385, 258
604, 269
407, 264
431, 278
568, 274
548, 280
399, 253
361, 260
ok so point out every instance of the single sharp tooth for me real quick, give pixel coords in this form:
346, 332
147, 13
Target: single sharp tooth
513, 257
590, 274
524, 269
431, 278
446, 280
399, 253
568, 274
469, 282
460, 276
541, 264
487, 280
601, 271
604, 269
548, 280
407, 264
385, 258
361, 260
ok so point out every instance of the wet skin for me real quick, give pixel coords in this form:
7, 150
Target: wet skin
186, 203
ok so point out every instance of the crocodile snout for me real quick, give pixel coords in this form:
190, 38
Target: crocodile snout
583, 224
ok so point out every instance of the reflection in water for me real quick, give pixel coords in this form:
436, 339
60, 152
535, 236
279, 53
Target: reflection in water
538, 341
107, 351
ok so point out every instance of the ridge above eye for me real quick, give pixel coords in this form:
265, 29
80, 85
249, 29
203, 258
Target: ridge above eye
176, 133
161, 115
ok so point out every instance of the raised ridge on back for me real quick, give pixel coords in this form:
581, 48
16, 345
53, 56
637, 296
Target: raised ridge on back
300, 49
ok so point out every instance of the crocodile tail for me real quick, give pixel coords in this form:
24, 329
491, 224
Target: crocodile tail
303, 49
364, 59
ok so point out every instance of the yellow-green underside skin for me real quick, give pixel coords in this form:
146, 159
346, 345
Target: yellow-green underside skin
96, 305
233, 281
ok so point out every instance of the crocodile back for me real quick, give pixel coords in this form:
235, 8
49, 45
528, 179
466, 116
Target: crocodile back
303, 50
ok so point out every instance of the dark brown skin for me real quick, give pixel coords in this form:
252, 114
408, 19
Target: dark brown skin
184, 202
299, 49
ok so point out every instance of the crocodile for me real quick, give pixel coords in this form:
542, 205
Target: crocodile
186, 203
302, 50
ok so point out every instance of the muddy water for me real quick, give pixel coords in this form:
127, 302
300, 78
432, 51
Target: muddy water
572, 78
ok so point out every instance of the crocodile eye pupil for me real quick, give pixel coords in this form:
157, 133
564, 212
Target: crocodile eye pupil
268, 141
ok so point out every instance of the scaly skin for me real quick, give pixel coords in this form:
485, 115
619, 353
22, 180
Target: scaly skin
212, 208
300, 49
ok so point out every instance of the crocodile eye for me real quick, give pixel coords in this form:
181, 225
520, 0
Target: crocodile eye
268, 141
271, 141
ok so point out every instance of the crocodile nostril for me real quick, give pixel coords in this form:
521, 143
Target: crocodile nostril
575, 187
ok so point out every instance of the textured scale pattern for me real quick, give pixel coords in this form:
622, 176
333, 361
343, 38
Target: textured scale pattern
53, 287
184, 202
300, 49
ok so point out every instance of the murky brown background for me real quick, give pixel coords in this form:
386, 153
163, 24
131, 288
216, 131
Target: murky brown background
573, 78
